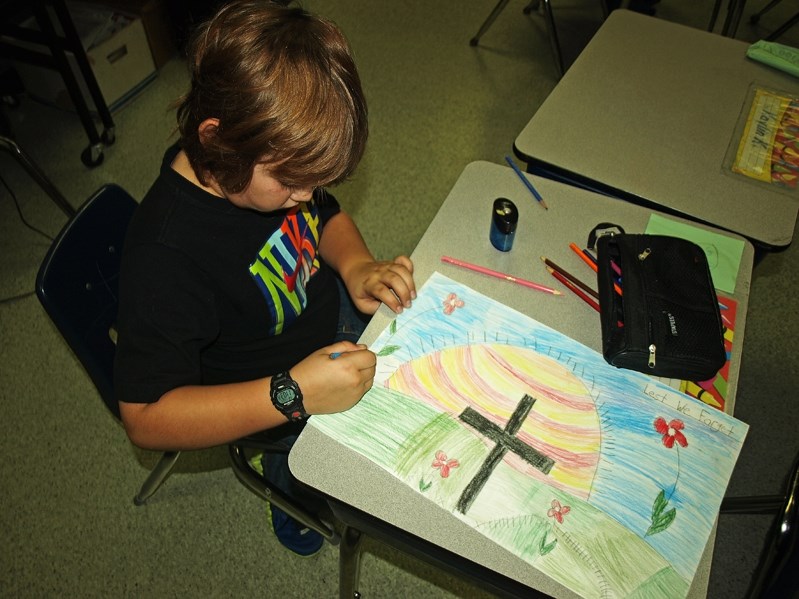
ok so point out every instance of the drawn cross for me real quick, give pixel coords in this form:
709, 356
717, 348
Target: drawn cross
506, 441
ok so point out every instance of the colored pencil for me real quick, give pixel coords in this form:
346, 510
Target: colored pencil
499, 275
573, 288
571, 277
526, 182
590, 263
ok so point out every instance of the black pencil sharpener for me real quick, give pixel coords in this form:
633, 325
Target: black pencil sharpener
504, 218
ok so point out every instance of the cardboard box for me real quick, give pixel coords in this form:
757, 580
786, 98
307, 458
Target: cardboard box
158, 26
117, 50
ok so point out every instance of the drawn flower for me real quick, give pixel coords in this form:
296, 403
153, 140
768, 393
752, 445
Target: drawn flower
443, 464
671, 432
451, 303
557, 511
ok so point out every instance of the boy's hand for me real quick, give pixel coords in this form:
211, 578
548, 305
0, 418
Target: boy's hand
389, 282
334, 384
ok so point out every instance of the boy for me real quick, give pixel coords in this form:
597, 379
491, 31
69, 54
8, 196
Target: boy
229, 301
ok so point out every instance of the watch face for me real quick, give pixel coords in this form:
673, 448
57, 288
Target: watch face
285, 396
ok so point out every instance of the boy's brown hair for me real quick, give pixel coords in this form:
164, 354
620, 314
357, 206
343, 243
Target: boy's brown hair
284, 87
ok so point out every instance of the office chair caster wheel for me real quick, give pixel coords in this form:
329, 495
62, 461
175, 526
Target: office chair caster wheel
92, 156
108, 136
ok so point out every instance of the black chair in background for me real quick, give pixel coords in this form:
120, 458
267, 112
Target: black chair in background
777, 573
782, 28
77, 285
550, 23
735, 11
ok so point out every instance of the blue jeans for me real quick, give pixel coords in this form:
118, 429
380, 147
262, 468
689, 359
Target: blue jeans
351, 324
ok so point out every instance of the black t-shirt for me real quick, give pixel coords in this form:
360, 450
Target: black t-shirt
211, 293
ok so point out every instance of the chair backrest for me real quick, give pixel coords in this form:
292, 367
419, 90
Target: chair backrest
778, 572
78, 282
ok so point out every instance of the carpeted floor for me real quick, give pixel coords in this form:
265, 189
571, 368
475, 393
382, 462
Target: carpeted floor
68, 524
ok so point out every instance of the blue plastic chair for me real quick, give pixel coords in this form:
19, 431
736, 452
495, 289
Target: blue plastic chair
77, 284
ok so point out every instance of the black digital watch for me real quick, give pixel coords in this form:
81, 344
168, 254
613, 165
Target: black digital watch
286, 397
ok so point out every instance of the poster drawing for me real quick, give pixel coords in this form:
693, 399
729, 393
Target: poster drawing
604, 479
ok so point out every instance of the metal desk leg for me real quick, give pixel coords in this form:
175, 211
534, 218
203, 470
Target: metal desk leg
553, 37
93, 154
71, 34
349, 564
734, 12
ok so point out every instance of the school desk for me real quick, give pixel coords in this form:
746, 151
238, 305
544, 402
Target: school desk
647, 112
368, 497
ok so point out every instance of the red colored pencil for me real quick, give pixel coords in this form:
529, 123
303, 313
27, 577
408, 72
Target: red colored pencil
572, 287
571, 277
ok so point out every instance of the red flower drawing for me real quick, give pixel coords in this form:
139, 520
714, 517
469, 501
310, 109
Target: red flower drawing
443, 464
451, 303
557, 511
671, 432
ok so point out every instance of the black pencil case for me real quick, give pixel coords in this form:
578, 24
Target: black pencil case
666, 321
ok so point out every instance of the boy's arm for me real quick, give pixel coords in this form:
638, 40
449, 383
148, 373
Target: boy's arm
199, 416
196, 417
368, 281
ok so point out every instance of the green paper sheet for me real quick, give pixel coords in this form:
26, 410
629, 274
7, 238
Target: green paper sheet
723, 253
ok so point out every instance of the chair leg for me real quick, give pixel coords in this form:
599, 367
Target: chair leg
603, 5
756, 17
349, 563
714, 15
783, 28
767, 504
531, 7
36, 173
157, 477
733, 18
276, 497
553, 37
488, 22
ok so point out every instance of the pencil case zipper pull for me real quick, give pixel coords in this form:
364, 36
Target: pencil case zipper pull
652, 347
